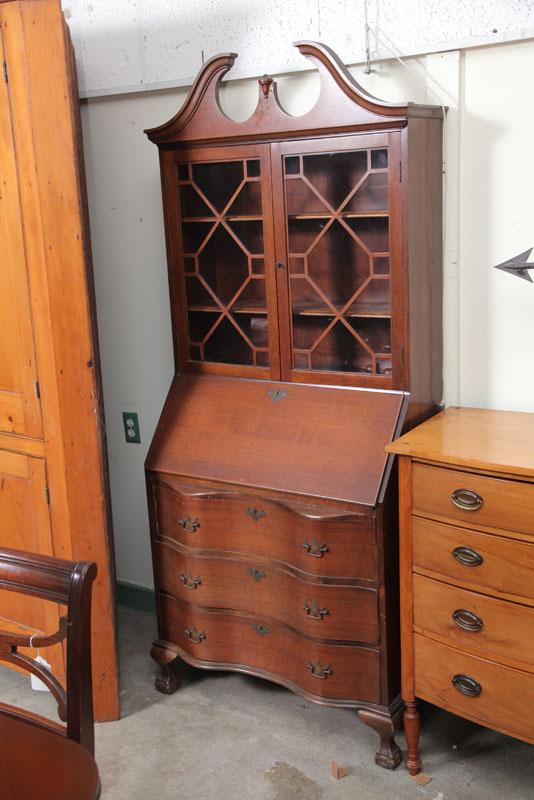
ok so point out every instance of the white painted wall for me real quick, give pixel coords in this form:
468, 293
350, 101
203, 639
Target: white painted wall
489, 179
134, 45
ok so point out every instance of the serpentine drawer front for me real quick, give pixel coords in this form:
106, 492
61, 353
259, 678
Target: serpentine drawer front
466, 480
315, 540
257, 644
320, 610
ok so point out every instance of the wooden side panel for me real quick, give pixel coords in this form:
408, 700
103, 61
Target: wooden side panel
19, 405
26, 526
422, 177
41, 88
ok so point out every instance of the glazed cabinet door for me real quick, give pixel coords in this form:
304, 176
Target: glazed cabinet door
19, 404
220, 250
338, 232
24, 513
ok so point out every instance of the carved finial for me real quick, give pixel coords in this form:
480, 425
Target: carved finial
266, 82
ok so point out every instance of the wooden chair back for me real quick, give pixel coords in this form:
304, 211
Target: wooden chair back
70, 585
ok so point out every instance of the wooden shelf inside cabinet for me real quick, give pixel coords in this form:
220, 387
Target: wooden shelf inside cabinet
296, 284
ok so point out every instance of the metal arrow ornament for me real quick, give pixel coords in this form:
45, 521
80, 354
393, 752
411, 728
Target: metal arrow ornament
518, 265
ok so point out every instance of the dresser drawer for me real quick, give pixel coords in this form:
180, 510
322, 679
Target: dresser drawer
506, 695
498, 564
495, 502
324, 671
474, 622
331, 545
322, 611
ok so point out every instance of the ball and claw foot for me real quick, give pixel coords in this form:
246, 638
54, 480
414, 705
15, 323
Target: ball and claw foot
388, 755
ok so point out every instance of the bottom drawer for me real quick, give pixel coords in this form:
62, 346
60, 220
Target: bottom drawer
325, 671
502, 697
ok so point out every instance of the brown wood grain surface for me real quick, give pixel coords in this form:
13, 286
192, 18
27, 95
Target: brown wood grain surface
277, 444
505, 504
339, 545
505, 700
507, 564
39, 763
505, 630
322, 611
42, 100
481, 439
261, 643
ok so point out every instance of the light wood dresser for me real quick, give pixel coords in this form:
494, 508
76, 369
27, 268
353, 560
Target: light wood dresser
466, 483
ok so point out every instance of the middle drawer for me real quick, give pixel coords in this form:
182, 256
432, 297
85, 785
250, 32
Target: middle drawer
474, 622
323, 611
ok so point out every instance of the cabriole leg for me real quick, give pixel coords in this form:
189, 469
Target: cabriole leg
168, 682
388, 754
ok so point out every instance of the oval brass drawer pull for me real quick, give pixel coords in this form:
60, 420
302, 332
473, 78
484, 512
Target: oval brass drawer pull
195, 635
467, 500
314, 611
318, 671
255, 513
188, 524
467, 620
188, 581
315, 549
467, 556
467, 685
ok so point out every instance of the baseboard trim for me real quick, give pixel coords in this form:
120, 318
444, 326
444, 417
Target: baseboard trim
132, 596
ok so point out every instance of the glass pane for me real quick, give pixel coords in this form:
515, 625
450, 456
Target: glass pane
218, 181
338, 238
248, 201
227, 345
224, 262
334, 175
372, 194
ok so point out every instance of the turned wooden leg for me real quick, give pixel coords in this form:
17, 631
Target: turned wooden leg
412, 729
388, 754
168, 682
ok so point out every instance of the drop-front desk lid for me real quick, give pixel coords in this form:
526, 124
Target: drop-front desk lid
318, 441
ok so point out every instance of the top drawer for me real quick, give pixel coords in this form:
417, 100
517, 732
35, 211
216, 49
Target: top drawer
474, 499
337, 546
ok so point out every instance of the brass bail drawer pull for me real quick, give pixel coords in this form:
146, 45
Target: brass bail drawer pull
467, 500
255, 513
315, 549
195, 635
188, 581
467, 620
467, 685
188, 524
467, 556
318, 671
314, 611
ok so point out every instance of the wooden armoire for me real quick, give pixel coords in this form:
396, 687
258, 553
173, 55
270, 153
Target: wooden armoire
305, 277
53, 480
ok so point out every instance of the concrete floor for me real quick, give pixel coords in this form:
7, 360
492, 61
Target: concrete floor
227, 736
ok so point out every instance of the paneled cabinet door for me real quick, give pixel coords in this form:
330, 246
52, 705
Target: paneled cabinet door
19, 404
25, 525
338, 231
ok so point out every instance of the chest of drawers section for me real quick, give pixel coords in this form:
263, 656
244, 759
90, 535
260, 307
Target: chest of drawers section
274, 588
467, 592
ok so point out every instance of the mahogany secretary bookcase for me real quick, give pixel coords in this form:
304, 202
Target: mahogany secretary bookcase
305, 278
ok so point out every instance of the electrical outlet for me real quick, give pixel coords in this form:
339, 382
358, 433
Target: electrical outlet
130, 421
